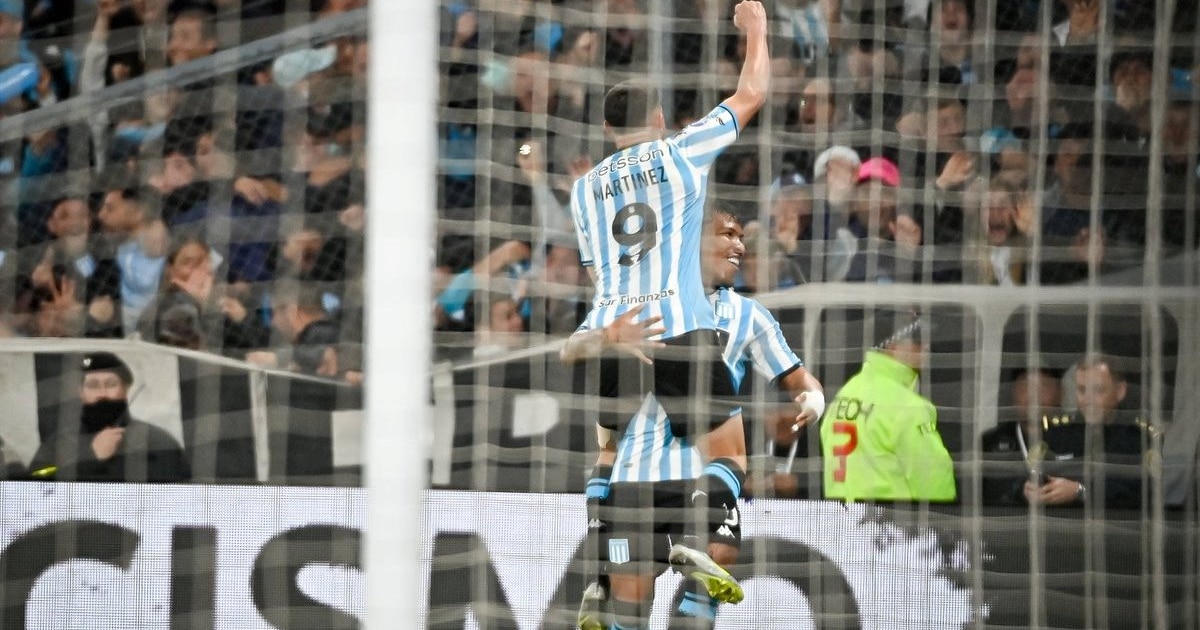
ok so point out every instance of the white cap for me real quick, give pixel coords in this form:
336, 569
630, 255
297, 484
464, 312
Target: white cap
835, 152
291, 68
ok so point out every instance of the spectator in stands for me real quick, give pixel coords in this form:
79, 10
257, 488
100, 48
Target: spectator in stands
1081, 25
579, 52
871, 63
188, 313
256, 205
1034, 404
1066, 219
72, 248
509, 259
293, 70
888, 235
129, 215
814, 28
43, 162
823, 112
951, 27
57, 305
498, 323
184, 194
326, 8
112, 55
108, 444
1023, 90
941, 119
625, 39
298, 313
1087, 447
326, 162
835, 178
193, 35
777, 257
1130, 75
999, 252
1181, 150
13, 47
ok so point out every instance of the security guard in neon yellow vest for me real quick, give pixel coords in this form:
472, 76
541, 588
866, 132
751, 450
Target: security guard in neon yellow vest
879, 438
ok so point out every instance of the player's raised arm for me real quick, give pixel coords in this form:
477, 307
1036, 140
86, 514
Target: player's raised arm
755, 80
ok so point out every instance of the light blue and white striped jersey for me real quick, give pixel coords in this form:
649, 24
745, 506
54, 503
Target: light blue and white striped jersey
639, 215
647, 451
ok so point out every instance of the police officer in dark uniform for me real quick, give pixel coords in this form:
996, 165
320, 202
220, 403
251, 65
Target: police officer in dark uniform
1096, 453
1035, 403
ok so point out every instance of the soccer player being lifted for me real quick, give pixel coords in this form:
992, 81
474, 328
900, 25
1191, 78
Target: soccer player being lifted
643, 464
638, 217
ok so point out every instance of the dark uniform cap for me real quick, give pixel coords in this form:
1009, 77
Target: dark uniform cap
106, 362
906, 327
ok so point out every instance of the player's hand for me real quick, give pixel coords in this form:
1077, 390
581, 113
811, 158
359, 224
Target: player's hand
749, 17
629, 335
804, 417
107, 441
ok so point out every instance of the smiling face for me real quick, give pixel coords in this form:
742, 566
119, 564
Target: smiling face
69, 218
188, 259
721, 250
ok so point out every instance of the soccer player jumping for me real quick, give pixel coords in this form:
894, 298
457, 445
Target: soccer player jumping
643, 465
639, 216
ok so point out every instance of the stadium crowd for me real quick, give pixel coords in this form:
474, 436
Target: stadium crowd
907, 140
904, 141
219, 208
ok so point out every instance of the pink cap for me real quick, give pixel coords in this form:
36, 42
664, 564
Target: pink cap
879, 168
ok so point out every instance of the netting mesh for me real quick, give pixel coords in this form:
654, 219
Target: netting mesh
191, 174
1029, 188
189, 163
181, 304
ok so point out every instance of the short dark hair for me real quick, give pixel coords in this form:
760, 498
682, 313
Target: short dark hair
203, 14
629, 103
1018, 372
307, 297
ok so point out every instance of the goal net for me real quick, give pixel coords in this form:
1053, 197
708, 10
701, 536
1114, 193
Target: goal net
181, 298
182, 185
1019, 176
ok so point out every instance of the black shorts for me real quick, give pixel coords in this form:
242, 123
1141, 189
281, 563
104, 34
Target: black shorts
689, 377
643, 520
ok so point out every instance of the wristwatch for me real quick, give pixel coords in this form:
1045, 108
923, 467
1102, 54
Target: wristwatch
1081, 493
